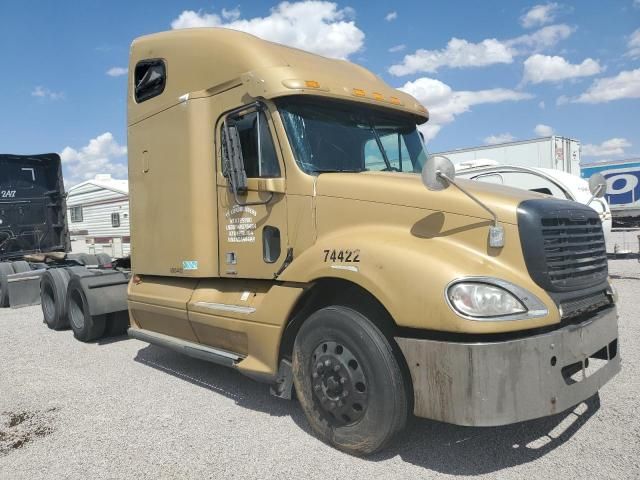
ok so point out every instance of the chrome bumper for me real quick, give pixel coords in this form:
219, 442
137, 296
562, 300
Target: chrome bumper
498, 383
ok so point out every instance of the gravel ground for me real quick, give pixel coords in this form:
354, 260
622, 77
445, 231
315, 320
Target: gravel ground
124, 409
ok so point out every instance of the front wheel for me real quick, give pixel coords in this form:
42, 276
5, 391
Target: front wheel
349, 381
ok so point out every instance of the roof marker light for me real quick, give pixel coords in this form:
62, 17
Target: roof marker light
358, 92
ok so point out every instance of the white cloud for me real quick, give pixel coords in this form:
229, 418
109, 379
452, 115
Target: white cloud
543, 130
397, 48
543, 68
608, 148
102, 154
624, 85
634, 44
546, 37
542, 105
500, 138
539, 15
444, 103
636, 3
45, 93
317, 26
117, 71
391, 16
460, 53
231, 15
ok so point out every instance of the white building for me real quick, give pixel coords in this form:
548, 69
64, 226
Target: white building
98, 215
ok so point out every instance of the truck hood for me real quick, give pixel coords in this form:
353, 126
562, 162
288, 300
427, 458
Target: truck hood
406, 189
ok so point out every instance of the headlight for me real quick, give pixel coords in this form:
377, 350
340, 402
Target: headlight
485, 298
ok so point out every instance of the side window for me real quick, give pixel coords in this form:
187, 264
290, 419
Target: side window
258, 152
396, 150
149, 78
115, 219
76, 214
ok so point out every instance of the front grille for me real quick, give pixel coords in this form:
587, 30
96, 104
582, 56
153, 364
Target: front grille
574, 249
563, 244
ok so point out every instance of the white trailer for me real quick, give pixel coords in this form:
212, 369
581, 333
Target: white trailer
557, 153
99, 216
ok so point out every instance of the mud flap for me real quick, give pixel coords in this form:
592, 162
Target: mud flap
105, 290
283, 387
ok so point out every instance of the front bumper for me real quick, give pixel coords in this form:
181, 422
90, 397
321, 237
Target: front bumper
498, 383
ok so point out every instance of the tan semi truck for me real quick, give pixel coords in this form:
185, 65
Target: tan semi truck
280, 226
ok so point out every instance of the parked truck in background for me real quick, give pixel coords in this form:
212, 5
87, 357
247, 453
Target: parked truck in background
554, 152
280, 227
32, 215
623, 189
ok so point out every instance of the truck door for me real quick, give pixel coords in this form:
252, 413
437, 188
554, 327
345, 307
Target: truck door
252, 225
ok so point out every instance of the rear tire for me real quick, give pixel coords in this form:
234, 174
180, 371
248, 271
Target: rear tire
53, 298
5, 269
349, 381
86, 327
103, 259
89, 259
21, 266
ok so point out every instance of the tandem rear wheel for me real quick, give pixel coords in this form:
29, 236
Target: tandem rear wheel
86, 327
349, 381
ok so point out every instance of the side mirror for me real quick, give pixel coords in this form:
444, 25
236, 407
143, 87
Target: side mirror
597, 185
232, 161
437, 173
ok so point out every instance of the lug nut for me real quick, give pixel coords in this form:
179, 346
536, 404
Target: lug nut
343, 380
327, 363
336, 368
345, 394
314, 374
319, 367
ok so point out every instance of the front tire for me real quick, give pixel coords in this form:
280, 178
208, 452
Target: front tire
349, 381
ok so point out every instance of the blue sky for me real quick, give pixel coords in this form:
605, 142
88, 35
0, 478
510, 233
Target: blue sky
487, 71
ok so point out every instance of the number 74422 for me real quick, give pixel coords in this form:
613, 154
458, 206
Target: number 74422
342, 256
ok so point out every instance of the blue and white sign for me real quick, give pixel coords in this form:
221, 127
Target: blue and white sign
623, 183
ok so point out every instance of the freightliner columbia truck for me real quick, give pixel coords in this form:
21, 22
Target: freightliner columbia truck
281, 226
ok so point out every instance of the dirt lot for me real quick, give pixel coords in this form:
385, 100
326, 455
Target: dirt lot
124, 409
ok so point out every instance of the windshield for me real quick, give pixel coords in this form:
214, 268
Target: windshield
346, 137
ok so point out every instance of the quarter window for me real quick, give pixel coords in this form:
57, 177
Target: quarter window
150, 78
115, 219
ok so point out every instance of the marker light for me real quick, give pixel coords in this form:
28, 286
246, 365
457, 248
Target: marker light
358, 92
